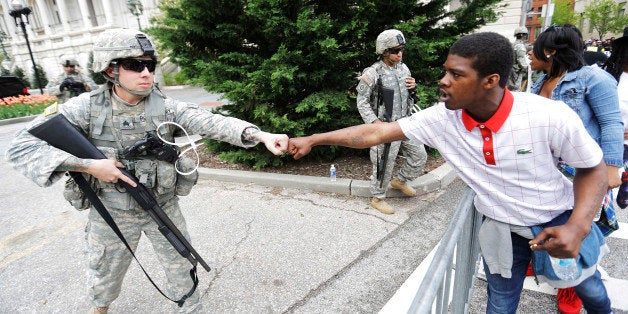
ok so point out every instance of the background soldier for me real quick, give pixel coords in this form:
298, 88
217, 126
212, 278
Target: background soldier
114, 117
70, 83
392, 74
518, 77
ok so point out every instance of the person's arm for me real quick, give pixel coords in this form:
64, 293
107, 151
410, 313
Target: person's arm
215, 126
603, 100
590, 186
359, 136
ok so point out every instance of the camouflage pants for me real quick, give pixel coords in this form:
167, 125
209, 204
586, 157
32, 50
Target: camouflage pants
109, 259
415, 158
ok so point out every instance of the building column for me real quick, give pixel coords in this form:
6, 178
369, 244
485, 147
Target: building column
43, 14
11, 28
63, 15
87, 23
106, 5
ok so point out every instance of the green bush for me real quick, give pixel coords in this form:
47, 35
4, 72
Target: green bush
291, 66
43, 80
19, 73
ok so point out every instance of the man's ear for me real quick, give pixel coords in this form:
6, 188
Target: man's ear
109, 71
490, 81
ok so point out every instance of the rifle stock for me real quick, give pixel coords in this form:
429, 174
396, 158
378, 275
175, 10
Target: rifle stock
60, 133
385, 97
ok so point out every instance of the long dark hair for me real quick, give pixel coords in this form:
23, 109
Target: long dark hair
567, 43
619, 56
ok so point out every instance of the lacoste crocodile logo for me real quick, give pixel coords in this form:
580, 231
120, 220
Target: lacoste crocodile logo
523, 151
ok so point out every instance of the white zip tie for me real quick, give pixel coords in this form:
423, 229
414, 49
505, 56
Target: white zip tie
189, 141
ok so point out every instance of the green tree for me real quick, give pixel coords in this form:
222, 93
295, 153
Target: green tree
290, 66
19, 73
42, 77
603, 16
564, 13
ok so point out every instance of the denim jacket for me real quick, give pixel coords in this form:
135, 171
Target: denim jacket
592, 94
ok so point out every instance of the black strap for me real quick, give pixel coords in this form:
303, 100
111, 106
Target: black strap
95, 201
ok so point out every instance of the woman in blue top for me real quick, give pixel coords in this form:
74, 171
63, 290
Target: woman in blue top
592, 93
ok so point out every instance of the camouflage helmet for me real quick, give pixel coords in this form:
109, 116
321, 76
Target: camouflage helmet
69, 62
521, 30
120, 43
388, 39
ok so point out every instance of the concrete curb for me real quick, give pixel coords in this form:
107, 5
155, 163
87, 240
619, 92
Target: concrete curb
430, 182
17, 120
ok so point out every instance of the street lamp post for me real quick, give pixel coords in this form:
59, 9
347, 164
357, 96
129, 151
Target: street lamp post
136, 8
19, 13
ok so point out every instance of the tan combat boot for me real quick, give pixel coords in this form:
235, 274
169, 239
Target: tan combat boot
382, 206
99, 310
403, 186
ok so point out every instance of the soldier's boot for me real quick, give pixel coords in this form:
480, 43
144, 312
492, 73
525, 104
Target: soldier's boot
382, 206
403, 187
99, 310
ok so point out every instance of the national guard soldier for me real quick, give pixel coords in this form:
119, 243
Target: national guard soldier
389, 74
115, 117
519, 74
70, 83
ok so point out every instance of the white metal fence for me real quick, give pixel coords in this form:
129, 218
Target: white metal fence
454, 267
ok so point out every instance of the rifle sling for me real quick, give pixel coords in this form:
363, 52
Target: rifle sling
98, 205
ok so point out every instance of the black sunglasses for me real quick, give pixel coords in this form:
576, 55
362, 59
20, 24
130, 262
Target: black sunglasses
395, 51
137, 65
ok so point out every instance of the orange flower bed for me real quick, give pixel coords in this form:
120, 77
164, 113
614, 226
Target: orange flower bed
24, 105
28, 99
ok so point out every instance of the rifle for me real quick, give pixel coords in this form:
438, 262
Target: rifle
385, 96
60, 133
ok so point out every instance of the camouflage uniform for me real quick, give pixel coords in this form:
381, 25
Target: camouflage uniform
112, 125
519, 73
54, 86
415, 156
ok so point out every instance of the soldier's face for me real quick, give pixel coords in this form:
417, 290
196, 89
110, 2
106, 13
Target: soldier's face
135, 79
394, 55
69, 68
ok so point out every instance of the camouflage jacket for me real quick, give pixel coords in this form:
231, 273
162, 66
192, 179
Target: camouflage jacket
521, 58
54, 86
38, 161
391, 77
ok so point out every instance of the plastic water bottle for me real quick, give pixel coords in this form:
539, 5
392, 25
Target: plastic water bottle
332, 172
565, 268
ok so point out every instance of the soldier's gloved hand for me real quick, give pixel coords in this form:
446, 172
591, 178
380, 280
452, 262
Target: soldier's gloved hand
65, 84
76, 84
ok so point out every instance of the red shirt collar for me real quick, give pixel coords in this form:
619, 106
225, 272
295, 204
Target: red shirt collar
498, 118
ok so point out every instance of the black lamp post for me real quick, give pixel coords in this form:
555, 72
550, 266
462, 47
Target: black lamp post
136, 8
19, 13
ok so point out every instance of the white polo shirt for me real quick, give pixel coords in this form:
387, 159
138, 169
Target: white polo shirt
510, 160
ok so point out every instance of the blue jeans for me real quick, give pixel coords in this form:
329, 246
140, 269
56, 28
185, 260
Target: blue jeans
504, 293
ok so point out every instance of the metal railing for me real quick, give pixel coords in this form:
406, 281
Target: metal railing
461, 238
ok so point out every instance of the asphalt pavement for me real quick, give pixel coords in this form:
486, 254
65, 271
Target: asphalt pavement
276, 243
